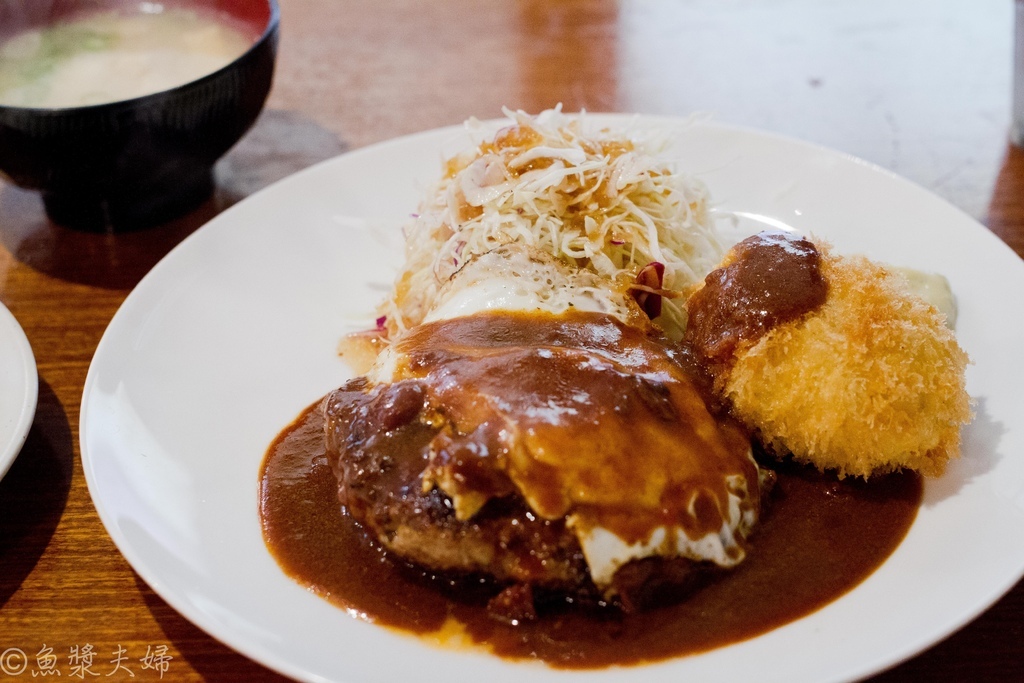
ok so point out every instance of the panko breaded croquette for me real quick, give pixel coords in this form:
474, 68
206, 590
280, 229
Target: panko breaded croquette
870, 380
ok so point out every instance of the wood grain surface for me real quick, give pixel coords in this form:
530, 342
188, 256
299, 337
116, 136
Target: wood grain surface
920, 88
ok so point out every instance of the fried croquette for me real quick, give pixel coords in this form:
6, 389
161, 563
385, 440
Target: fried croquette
868, 382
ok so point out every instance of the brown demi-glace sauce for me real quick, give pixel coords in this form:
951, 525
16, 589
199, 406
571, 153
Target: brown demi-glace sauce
817, 537
769, 278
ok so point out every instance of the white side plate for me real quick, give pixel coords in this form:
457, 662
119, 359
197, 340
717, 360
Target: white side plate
19, 389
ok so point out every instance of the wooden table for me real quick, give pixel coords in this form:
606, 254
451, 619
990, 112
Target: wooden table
919, 89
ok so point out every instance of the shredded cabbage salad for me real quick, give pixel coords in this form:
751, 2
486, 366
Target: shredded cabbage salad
595, 199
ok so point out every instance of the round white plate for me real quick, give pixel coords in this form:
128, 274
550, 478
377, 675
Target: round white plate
19, 389
235, 331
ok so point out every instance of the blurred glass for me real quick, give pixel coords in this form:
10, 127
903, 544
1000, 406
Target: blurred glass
1017, 130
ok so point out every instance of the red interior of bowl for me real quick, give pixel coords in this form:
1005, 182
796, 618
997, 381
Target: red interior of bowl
254, 15
251, 16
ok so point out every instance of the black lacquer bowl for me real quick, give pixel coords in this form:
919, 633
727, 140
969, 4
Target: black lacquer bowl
137, 162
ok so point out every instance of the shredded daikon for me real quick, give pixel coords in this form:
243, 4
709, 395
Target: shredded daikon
598, 200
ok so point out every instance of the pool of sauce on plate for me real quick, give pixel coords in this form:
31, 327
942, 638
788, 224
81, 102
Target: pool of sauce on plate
819, 537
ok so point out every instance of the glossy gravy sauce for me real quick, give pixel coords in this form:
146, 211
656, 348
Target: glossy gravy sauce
614, 431
772, 278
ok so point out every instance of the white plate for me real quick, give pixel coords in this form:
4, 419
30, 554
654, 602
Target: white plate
19, 389
235, 331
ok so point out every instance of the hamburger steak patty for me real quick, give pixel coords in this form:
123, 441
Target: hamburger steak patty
569, 453
378, 441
